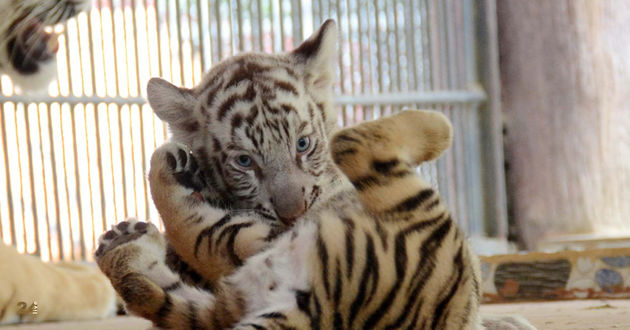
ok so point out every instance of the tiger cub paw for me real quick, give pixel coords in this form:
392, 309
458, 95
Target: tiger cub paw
127, 231
132, 247
391, 145
173, 165
133, 256
363, 152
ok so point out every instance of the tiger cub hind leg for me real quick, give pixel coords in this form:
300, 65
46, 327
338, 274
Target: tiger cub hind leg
132, 255
379, 157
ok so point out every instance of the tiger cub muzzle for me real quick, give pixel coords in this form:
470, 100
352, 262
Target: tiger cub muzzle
288, 198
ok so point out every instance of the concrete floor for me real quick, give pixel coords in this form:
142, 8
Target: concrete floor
573, 314
561, 315
114, 323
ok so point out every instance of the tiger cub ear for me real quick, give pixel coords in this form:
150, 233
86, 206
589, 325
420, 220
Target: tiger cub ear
173, 104
317, 54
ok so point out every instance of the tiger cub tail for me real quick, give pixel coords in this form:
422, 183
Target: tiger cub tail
379, 157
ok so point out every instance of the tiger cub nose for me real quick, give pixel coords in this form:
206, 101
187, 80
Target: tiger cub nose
289, 208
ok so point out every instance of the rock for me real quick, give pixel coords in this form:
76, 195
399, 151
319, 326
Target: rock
619, 262
608, 279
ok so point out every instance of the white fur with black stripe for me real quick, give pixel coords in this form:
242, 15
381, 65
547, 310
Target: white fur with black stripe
27, 48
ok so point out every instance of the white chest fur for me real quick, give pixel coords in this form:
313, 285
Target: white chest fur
271, 278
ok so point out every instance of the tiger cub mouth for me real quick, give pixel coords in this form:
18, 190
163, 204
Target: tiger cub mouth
30, 44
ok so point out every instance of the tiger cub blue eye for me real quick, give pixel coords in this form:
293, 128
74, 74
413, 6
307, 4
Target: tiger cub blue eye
303, 143
244, 161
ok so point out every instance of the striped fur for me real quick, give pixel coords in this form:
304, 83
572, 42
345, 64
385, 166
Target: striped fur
374, 246
392, 259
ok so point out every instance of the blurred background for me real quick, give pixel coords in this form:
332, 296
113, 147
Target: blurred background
536, 91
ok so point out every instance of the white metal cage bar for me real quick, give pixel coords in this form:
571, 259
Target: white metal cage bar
73, 162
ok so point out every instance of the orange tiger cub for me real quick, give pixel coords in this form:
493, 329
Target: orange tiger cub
312, 229
383, 254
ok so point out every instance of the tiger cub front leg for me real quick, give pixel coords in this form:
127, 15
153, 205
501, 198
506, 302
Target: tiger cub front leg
132, 256
213, 241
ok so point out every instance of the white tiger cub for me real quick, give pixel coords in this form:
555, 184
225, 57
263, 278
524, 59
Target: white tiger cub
367, 244
31, 290
27, 49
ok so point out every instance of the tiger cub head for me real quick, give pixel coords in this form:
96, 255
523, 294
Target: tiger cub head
27, 49
259, 125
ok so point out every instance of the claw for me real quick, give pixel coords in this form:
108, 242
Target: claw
197, 195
